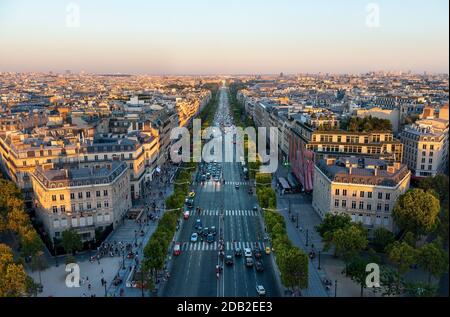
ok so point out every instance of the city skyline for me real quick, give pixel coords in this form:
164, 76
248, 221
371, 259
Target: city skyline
198, 37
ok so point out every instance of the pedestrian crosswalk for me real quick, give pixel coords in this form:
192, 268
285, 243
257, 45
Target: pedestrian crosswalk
229, 246
245, 213
238, 183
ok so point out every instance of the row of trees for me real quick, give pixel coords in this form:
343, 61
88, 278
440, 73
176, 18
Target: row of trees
366, 124
16, 225
292, 262
155, 251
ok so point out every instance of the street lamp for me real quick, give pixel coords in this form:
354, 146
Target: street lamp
297, 220
289, 206
319, 261
307, 236
335, 288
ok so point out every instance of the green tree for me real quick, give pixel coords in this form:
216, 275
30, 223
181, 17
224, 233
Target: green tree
13, 279
293, 264
71, 241
402, 255
356, 270
349, 241
439, 184
70, 259
390, 285
432, 259
382, 238
417, 211
333, 222
31, 243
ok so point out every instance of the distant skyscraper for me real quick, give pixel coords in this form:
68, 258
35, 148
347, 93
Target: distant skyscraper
281, 75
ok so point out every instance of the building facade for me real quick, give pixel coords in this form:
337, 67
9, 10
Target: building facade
83, 199
364, 189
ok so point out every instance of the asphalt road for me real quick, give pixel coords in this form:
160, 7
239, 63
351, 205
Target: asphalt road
193, 272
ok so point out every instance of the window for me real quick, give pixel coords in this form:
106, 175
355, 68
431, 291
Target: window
88, 194
424, 153
61, 197
97, 193
431, 147
337, 192
53, 197
361, 194
369, 206
353, 204
106, 204
99, 205
85, 158
430, 161
336, 203
380, 195
430, 167
63, 208
105, 157
354, 193
80, 195
361, 205
96, 157
388, 196
130, 155
344, 192
423, 160
431, 153
72, 195
73, 207
386, 207
424, 147
88, 206
55, 209
105, 192
369, 194
344, 203
379, 206
422, 167
80, 207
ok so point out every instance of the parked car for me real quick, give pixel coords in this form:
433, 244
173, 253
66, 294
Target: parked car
268, 250
186, 214
259, 266
229, 260
194, 237
238, 252
198, 223
210, 238
249, 262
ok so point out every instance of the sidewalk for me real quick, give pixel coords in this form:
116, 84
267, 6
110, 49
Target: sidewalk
53, 278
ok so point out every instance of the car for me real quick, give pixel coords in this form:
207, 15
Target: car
248, 252
249, 262
190, 202
216, 178
198, 223
213, 230
236, 186
194, 237
257, 253
250, 191
259, 266
208, 176
199, 230
210, 238
255, 208
268, 250
238, 252
203, 177
186, 214
177, 249
205, 231
192, 194
229, 260
260, 290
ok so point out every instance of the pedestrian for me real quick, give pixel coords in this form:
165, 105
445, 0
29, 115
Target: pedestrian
101, 272
89, 286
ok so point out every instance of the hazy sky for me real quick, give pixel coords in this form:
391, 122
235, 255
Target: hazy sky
228, 36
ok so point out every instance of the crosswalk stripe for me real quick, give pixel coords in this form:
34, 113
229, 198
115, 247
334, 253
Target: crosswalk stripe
228, 246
